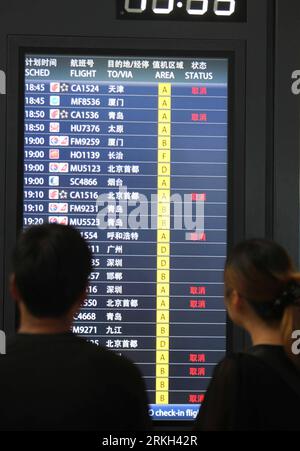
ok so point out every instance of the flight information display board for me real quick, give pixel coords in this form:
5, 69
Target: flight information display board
133, 151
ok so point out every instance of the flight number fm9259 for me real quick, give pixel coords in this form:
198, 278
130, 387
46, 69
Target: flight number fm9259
77, 142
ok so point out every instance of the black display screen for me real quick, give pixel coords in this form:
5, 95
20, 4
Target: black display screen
133, 151
183, 10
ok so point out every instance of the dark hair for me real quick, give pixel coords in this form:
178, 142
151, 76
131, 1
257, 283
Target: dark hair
262, 273
51, 264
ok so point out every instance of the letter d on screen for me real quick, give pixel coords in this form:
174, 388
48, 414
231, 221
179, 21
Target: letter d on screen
2, 343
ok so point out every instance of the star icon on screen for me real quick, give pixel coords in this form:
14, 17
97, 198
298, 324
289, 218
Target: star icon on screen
64, 114
63, 195
64, 87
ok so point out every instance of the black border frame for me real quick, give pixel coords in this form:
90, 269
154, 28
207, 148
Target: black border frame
233, 50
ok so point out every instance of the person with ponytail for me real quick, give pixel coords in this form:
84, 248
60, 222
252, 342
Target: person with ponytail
260, 388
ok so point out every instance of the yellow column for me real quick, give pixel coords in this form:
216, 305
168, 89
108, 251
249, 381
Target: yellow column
163, 244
